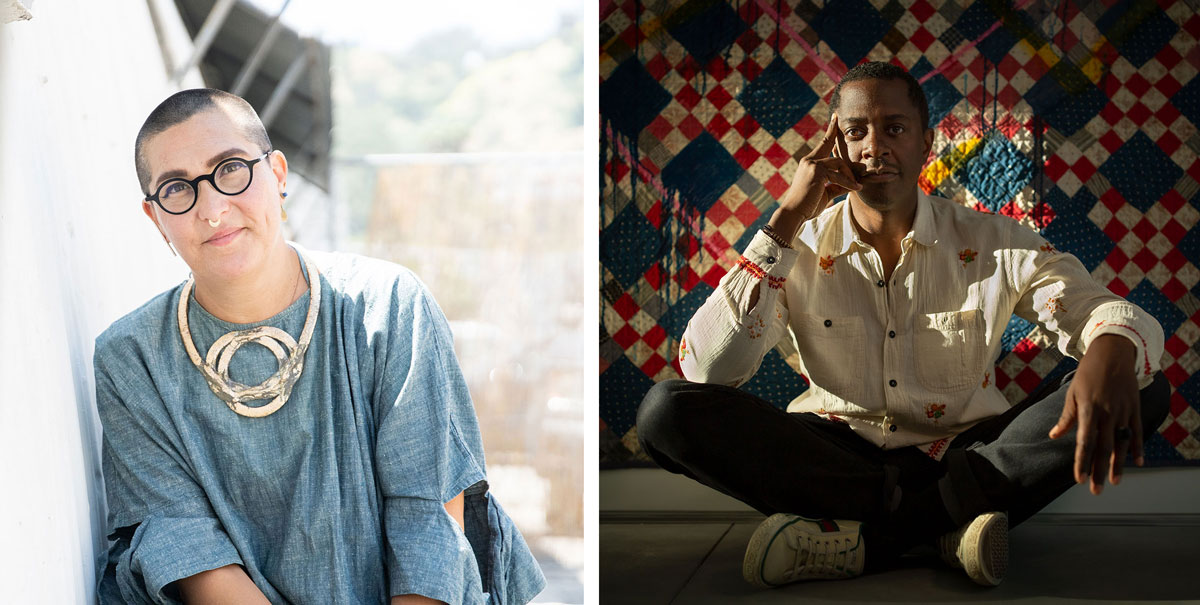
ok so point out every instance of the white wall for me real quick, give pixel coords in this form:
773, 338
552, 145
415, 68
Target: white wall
76, 253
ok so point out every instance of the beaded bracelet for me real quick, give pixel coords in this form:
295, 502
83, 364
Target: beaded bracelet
770, 232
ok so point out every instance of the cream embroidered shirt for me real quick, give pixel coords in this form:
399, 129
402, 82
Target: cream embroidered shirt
908, 361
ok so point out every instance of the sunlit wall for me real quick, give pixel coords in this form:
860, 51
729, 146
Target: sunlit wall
76, 253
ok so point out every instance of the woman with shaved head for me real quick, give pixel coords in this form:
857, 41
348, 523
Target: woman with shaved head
285, 426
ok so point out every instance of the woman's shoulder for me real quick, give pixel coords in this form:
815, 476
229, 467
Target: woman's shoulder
379, 295
144, 325
367, 278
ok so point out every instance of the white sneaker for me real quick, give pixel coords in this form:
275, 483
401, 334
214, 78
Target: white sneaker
789, 548
980, 547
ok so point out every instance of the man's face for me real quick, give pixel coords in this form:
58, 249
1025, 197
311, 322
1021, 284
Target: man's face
249, 222
886, 140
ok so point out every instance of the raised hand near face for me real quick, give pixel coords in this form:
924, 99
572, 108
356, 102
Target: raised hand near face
820, 177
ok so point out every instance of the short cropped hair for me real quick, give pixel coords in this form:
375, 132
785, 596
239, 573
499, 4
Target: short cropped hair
184, 104
878, 70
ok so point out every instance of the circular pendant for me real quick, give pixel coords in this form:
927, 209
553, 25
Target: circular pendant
289, 353
279, 385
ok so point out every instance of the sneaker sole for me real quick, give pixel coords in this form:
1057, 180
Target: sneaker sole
756, 551
990, 531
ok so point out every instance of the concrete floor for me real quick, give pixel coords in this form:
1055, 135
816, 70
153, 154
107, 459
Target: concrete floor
1051, 561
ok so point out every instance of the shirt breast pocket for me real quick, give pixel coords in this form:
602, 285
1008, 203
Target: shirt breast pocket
950, 348
831, 349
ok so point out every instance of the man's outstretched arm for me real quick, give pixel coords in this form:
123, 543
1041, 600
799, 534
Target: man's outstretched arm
1118, 345
1103, 398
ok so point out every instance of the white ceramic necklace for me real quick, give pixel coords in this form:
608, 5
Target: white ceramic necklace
215, 366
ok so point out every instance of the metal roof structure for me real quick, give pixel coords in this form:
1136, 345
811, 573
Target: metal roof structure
284, 76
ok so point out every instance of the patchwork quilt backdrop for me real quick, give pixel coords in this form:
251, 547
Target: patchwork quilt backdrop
1079, 119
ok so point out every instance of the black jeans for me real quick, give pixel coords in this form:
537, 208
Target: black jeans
803, 464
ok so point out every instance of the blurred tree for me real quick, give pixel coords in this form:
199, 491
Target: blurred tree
450, 93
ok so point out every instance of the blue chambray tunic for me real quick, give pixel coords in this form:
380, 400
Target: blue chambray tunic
335, 498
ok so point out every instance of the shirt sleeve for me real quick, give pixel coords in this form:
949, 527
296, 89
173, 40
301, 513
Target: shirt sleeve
725, 341
162, 527
1059, 294
428, 451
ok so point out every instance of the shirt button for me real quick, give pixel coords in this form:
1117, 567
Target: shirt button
892, 428
770, 260
880, 283
891, 333
892, 382
828, 322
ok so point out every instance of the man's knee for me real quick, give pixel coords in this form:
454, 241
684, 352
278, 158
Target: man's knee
659, 411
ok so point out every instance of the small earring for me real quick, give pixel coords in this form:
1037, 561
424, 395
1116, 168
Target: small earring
283, 195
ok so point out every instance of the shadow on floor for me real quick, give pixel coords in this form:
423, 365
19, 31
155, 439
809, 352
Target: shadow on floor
1049, 563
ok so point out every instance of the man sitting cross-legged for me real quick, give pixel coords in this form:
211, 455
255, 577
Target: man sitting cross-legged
895, 302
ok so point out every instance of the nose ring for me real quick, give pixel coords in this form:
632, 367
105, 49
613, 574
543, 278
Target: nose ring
212, 223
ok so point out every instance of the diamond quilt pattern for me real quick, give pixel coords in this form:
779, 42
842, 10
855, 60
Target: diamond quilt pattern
1077, 119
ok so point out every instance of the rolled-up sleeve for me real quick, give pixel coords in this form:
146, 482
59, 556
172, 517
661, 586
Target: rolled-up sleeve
162, 550
161, 524
1134, 323
428, 451
1059, 294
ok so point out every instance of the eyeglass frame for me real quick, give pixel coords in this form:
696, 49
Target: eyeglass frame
211, 178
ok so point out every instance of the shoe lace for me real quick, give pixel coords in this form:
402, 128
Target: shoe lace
821, 557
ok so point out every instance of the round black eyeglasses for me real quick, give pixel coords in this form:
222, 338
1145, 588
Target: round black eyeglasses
230, 177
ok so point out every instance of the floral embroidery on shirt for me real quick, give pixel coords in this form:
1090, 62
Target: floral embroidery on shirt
935, 410
967, 256
683, 349
1054, 305
756, 327
827, 264
987, 379
775, 283
1048, 247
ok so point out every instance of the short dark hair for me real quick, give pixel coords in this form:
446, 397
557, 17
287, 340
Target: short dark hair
184, 104
879, 70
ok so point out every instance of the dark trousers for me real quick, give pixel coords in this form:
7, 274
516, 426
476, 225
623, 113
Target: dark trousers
803, 464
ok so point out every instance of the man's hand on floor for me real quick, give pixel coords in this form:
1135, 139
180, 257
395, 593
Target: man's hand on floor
1103, 399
